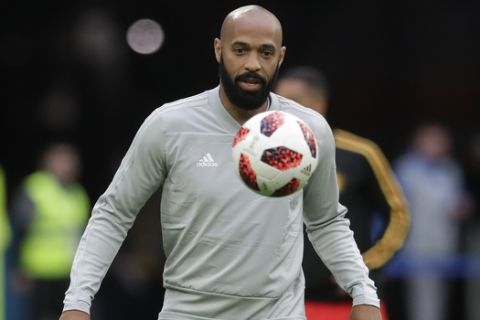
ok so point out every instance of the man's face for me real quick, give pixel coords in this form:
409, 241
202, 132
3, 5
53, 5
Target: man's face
249, 56
248, 90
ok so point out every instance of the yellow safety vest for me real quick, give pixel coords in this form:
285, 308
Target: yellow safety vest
4, 239
60, 215
4, 226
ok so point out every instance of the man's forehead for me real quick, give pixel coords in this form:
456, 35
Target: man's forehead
252, 22
245, 30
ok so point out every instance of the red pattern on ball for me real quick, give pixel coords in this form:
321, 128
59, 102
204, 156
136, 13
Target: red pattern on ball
241, 134
310, 138
271, 123
282, 158
287, 189
247, 173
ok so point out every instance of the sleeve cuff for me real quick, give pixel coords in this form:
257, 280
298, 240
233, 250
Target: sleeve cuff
77, 305
365, 293
372, 301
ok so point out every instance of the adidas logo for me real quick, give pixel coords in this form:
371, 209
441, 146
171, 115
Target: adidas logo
307, 170
207, 161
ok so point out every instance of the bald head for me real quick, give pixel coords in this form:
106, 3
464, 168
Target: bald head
253, 16
249, 52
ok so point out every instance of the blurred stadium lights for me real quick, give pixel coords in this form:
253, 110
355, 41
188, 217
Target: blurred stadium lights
145, 36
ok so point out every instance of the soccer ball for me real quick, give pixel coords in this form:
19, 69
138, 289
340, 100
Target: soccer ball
275, 153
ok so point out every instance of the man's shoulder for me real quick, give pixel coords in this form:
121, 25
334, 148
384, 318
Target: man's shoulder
179, 111
183, 104
290, 105
314, 119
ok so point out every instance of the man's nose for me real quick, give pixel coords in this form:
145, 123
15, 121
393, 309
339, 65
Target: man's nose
252, 63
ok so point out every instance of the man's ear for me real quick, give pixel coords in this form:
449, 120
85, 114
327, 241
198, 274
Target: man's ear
217, 47
283, 50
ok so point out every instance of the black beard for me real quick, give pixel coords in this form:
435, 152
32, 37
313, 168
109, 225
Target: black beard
246, 100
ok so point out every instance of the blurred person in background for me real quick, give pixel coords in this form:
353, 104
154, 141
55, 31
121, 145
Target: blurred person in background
368, 188
4, 239
433, 182
48, 213
472, 228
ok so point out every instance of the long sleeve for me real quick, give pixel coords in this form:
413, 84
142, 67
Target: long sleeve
329, 230
139, 175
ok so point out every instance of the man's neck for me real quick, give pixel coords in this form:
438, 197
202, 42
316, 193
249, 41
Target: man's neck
241, 115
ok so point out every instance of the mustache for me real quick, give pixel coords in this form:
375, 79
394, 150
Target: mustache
250, 75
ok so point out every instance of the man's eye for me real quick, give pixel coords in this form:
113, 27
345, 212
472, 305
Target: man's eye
239, 51
267, 54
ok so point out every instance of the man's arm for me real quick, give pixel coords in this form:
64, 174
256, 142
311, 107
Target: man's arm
74, 315
365, 312
139, 175
328, 228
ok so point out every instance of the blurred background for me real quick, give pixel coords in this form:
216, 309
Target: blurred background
87, 73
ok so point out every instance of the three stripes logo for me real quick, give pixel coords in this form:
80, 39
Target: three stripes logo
207, 161
307, 170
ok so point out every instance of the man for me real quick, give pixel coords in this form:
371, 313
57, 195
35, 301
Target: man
367, 186
48, 213
230, 253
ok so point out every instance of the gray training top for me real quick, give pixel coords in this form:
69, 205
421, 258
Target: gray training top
231, 254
